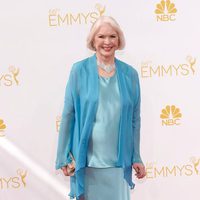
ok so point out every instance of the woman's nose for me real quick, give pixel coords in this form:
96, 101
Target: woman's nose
107, 40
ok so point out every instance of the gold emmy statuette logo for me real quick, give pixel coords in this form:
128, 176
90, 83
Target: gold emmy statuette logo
58, 121
15, 72
2, 128
101, 9
196, 163
165, 11
22, 175
170, 115
57, 18
191, 62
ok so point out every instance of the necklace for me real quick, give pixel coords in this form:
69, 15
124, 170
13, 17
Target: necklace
107, 68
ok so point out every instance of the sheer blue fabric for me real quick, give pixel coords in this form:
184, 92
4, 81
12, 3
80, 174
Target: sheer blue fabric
80, 107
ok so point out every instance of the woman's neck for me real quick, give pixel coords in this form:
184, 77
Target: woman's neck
105, 60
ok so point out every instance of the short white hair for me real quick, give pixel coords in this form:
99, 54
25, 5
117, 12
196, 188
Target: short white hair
96, 26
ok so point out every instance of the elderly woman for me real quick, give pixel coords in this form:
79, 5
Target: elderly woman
100, 129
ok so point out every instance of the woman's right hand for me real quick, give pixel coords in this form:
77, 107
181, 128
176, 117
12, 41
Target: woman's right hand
69, 169
65, 171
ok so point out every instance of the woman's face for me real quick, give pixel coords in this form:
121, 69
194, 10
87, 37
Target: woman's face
106, 41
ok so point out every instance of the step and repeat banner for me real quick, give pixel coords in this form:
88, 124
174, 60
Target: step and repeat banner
39, 42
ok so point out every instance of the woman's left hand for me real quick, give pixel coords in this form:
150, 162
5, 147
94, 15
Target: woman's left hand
140, 170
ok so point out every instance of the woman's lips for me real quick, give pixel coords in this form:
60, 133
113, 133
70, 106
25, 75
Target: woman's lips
107, 48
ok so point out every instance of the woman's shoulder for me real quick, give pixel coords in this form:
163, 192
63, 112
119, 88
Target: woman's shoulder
81, 63
126, 68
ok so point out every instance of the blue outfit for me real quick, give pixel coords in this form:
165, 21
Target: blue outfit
102, 149
102, 179
78, 118
106, 183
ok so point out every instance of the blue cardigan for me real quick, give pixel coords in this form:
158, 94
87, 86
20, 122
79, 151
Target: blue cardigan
80, 106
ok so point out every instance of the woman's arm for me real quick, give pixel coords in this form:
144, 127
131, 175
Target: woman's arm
136, 160
67, 125
136, 122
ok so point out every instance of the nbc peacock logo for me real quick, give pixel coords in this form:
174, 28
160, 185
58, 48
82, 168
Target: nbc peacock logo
2, 128
170, 115
57, 18
165, 11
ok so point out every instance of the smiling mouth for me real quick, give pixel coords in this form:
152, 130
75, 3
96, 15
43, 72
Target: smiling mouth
107, 48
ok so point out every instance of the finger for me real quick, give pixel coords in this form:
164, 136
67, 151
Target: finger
141, 173
139, 176
137, 169
65, 171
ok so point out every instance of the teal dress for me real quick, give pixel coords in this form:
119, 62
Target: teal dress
102, 179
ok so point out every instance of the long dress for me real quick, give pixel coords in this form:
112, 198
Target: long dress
103, 181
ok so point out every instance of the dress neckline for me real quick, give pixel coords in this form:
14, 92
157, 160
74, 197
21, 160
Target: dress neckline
107, 77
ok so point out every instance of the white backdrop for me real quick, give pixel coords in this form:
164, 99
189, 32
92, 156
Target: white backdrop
39, 42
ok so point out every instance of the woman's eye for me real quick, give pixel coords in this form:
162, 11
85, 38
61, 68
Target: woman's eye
101, 36
113, 36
